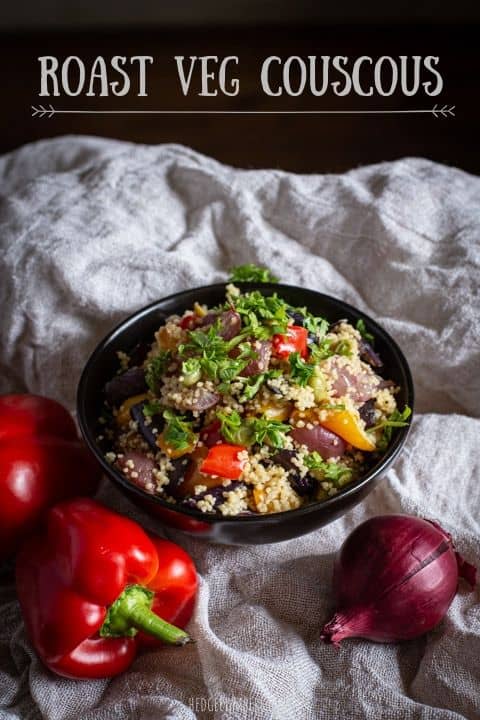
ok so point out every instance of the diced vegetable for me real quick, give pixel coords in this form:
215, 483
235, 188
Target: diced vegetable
327, 443
191, 371
223, 460
138, 468
347, 424
263, 350
359, 387
131, 382
319, 385
123, 416
294, 340
147, 423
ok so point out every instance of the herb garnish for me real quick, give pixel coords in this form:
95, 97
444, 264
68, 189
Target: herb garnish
151, 409
316, 325
211, 353
271, 431
178, 431
343, 347
362, 329
251, 273
395, 419
321, 350
156, 368
338, 473
255, 382
262, 316
252, 430
300, 371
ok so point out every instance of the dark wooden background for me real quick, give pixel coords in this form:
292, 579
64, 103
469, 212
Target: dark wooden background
299, 143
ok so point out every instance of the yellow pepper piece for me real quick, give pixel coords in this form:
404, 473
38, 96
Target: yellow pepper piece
275, 410
346, 424
123, 415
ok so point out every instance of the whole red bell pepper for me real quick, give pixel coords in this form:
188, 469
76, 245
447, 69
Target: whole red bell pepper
92, 585
41, 462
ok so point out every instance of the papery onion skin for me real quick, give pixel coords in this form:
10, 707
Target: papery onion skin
394, 579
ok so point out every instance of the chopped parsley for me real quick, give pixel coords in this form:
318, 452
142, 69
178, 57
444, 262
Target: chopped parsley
178, 432
151, 409
396, 419
262, 316
251, 273
300, 371
233, 429
156, 368
316, 325
338, 473
210, 353
343, 347
362, 329
255, 382
321, 350
252, 430
271, 431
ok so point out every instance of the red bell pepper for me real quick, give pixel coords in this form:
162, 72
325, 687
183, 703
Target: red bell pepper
188, 322
41, 462
92, 584
223, 460
294, 340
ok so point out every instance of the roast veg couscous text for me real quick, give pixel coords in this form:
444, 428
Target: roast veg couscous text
253, 406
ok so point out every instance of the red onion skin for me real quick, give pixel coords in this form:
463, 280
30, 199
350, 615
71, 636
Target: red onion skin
394, 579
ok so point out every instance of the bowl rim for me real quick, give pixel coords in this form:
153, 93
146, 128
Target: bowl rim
344, 493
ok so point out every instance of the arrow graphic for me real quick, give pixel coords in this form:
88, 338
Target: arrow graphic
444, 111
41, 111
49, 111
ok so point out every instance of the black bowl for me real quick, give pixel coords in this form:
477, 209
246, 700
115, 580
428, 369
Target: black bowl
249, 529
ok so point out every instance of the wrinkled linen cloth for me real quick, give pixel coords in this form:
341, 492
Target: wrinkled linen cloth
91, 230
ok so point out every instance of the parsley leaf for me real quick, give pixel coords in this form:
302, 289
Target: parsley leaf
233, 429
343, 347
338, 473
211, 353
316, 325
156, 368
151, 409
362, 329
300, 371
178, 431
396, 419
255, 382
270, 431
321, 350
262, 316
252, 430
251, 273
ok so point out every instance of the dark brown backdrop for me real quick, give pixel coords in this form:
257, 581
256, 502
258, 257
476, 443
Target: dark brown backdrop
299, 143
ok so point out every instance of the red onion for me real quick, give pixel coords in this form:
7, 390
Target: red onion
394, 579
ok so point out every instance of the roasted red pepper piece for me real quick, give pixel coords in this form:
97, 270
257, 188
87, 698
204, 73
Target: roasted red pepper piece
223, 460
294, 340
41, 462
188, 322
86, 584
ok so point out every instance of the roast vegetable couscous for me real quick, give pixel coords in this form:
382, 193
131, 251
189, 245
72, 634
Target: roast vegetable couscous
253, 406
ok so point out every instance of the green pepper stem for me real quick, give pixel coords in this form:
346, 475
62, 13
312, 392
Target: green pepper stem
131, 612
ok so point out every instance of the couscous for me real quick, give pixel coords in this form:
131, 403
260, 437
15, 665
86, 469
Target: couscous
253, 406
